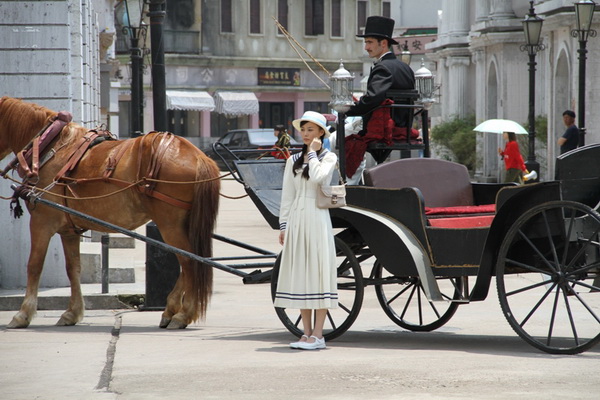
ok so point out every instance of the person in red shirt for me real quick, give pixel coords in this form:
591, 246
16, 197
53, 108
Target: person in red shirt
513, 161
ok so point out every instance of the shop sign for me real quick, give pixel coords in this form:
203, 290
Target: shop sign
279, 76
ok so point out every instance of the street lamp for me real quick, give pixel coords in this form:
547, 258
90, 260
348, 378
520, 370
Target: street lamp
156, 13
130, 16
424, 81
405, 54
342, 87
584, 11
532, 26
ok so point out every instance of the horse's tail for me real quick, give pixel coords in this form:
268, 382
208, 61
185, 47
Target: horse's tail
202, 221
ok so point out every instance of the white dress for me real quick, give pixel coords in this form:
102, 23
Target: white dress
308, 271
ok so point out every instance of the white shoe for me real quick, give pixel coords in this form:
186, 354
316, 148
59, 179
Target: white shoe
294, 345
317, 344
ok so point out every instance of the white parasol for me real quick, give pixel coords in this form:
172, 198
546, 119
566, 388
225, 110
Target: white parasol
500, 126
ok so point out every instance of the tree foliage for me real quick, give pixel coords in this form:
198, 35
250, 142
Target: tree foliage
458, 137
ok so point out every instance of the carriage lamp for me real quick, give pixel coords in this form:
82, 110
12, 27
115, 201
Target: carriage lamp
405, 54
425, 86
584, 12
130, 14
342, 87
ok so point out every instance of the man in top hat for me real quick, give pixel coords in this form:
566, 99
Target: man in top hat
387, 72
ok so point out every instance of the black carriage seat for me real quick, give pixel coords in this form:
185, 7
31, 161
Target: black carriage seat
446, 188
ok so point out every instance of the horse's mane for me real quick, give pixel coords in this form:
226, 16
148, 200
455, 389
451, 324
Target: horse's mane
20, 122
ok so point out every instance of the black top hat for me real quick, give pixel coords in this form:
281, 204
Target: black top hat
379, 27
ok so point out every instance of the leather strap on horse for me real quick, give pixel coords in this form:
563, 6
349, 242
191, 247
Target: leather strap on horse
153, 168
84, 144
156, 159
30, 174
112, 162
43, 139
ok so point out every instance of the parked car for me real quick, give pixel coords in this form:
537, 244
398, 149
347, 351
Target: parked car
245, 144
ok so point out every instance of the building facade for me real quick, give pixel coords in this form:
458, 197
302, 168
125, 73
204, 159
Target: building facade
482, 71
239, 70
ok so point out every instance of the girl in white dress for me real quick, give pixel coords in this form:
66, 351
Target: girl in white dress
307, 274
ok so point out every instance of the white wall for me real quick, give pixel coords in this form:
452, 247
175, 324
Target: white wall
49, 56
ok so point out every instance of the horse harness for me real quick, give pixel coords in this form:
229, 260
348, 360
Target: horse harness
27, 163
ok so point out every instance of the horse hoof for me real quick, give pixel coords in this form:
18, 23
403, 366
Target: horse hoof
174, 324
67, 319
18, 323
164, 322
65, 322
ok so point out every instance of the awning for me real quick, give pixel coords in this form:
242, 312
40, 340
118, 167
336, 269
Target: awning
236, 103
189, 100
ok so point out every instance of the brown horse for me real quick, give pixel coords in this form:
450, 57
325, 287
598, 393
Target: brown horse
185, 214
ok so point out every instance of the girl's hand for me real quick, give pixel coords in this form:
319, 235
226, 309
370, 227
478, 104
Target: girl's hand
281, 236
315, 145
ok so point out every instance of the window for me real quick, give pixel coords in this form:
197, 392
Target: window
314, 15
361, 17
282, 14
386, 9
336, 18
226, 16
255, 23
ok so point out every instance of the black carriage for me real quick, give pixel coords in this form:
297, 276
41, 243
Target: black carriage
436, 241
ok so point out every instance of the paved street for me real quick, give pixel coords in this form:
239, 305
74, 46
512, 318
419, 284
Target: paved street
240, 351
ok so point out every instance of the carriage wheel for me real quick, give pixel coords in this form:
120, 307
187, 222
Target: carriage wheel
548, 277
350, 292
406, 295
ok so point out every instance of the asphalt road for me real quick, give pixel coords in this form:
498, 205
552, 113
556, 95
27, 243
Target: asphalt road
241, 350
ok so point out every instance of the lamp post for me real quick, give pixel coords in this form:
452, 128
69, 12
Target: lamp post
159, 86
584, 11
532, 26
405, 54
342, 87
131, 19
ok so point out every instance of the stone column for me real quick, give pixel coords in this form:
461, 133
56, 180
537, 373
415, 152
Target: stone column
502, 9
457, 17
458, 83
478, 58
482, 10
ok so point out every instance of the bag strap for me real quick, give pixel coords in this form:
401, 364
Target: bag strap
340, 180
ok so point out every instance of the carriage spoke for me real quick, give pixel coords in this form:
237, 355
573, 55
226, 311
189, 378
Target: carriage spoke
550, 241
434, 308
400, 293
583, 302
552, 317
298, 320
343, 307
570, 314
537, 251
536, 306
586, 285
526, 266
526, 288
568, 235
331, 321
412, 292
